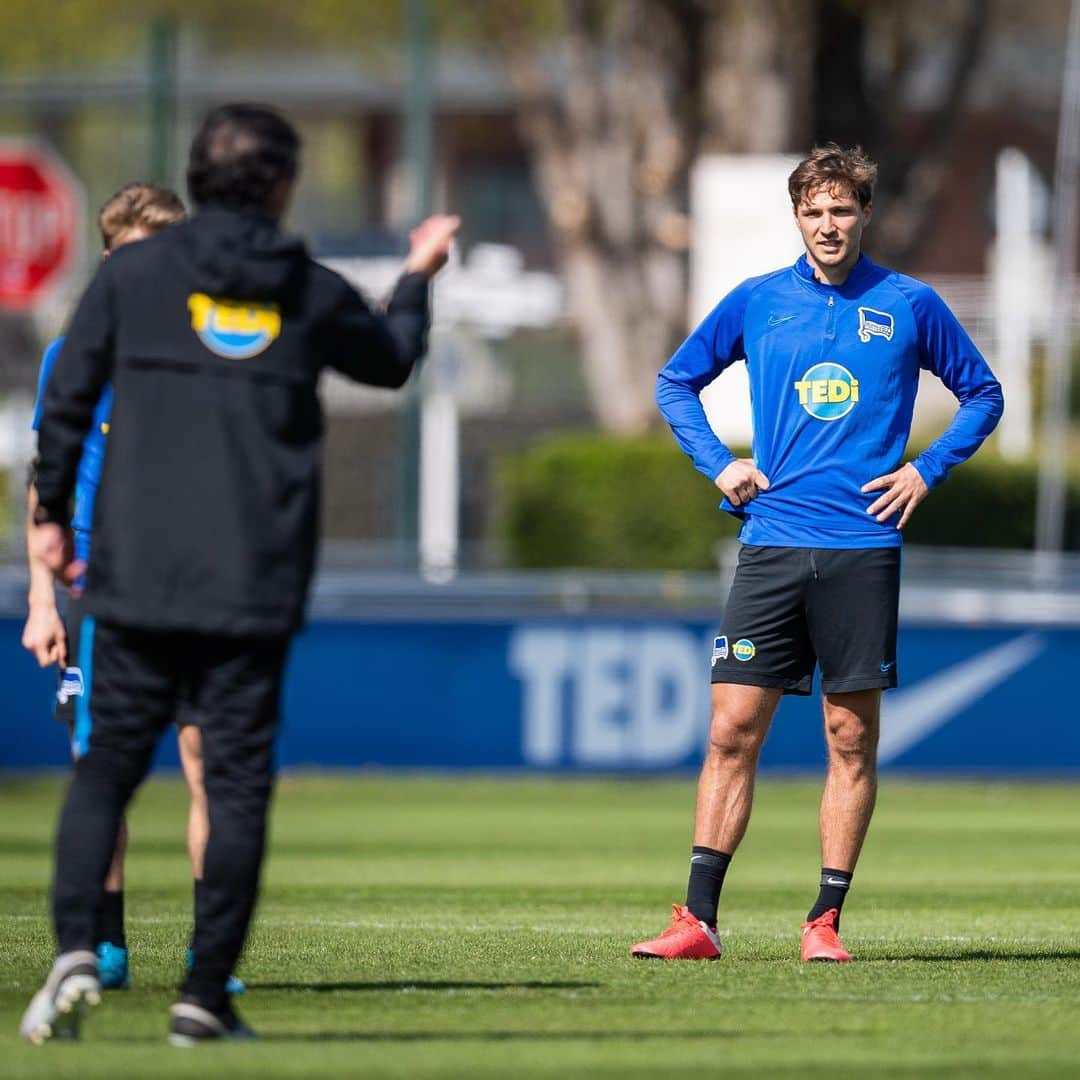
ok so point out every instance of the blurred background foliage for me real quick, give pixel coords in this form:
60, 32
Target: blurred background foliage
31, 40
589, 500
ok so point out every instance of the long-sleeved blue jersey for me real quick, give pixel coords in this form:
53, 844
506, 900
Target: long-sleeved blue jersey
833, 377
93, 453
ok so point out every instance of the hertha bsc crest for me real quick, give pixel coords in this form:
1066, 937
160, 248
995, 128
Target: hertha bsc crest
875, 324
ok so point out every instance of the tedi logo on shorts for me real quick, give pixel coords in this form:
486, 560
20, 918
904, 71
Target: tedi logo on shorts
827, 391
232, 328
744, 650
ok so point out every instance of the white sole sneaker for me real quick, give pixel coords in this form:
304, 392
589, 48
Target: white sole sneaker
59, 1007
191, 1024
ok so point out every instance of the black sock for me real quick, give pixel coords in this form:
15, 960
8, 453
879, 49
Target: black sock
111, 922
834, 887
707, 870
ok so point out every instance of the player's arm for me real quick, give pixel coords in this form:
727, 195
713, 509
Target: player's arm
43, 635
713, 346
379, 348
79, 375
947, 351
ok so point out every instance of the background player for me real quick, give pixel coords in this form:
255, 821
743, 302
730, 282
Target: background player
834, 346
135, 212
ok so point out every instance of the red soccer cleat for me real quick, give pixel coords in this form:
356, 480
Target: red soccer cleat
820, 940
687, 938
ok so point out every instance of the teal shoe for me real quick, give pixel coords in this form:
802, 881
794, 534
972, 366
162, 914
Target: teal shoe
113, 967
233, 986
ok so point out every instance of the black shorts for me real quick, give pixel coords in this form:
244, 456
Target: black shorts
74, 682
72, 705
792, 608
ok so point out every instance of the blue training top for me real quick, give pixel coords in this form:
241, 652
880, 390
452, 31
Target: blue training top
93, 453
833, 377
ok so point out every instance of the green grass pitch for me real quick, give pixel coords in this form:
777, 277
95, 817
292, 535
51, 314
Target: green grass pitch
420, 927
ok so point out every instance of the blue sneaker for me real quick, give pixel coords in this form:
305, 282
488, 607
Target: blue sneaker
113, 967
234, 986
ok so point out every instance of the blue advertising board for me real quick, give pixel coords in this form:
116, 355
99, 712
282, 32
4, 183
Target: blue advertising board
609, 694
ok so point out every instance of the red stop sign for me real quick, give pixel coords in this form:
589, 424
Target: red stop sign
40, 221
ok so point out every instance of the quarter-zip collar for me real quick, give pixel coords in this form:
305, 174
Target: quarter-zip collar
853, 283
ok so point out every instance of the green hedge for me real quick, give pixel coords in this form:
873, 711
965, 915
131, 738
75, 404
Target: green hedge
589, 500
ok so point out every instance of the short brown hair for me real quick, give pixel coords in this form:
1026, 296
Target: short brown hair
832, 166
138, 205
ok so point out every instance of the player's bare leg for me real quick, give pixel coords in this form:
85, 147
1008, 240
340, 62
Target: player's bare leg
740, 721
852, 723
189, 741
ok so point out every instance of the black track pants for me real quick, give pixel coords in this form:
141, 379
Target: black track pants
141, 678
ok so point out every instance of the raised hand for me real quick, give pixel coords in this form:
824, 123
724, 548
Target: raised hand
429, 244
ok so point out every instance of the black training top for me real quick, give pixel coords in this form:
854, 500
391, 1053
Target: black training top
213, 334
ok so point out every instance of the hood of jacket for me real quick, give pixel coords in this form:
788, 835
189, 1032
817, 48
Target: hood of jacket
240, 254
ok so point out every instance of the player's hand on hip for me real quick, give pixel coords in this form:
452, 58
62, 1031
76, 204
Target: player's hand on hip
901, 491
54, 546
742, 481
429, 244
44, 635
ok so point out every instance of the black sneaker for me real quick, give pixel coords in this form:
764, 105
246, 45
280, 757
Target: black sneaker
191, 1023
70, 992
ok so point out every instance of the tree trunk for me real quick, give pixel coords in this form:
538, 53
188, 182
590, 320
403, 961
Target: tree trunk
611, 140
642, 87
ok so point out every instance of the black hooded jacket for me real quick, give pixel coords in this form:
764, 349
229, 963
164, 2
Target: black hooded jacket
213, 334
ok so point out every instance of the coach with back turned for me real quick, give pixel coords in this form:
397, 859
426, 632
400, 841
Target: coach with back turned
213, 335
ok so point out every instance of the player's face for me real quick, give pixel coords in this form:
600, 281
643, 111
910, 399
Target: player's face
831, 222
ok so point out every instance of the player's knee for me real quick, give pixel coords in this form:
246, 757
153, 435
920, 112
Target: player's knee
733, 736
850, 740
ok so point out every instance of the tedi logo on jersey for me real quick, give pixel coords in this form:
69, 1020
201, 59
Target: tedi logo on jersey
827, 391
875, 324
233, 328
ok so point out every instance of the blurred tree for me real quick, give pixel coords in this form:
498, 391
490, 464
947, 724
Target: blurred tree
861, 102
638, 89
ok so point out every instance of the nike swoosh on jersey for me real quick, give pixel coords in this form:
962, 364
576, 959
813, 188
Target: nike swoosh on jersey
774, 321
909, 716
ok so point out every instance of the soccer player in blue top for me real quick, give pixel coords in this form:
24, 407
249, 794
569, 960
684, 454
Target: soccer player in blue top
135, 212
833, 347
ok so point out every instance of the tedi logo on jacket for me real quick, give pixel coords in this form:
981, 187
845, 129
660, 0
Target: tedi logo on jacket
233, 328
827, 391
